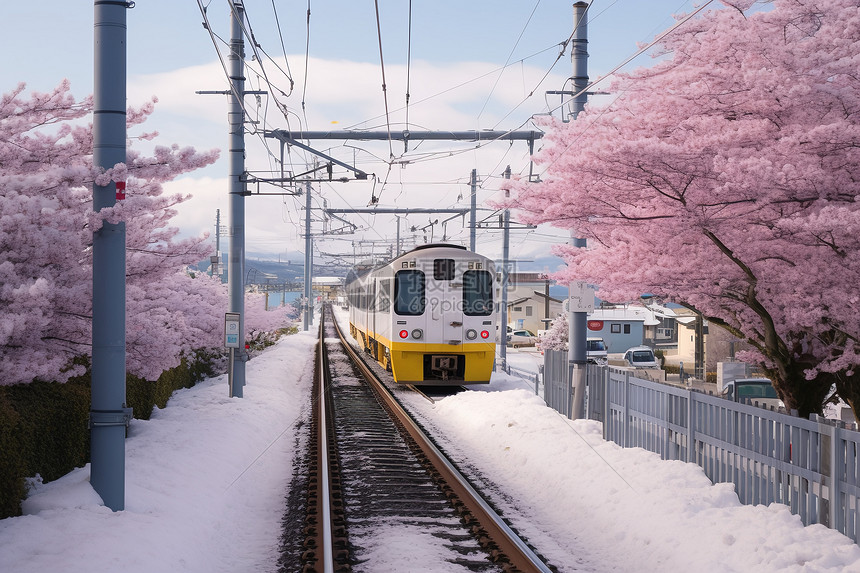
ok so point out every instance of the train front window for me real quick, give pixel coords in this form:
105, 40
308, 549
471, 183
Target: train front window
409, 295
477, 293
443, 269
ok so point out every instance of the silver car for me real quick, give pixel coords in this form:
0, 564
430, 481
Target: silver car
641, 357
522, 337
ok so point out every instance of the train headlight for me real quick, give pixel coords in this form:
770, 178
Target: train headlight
417, 334
485, 334
404, 333
471, 334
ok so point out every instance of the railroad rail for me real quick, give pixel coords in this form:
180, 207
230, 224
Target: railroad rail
374, 472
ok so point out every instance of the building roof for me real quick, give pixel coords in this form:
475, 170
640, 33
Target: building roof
523, 278
540, 295
552, 299
626, 313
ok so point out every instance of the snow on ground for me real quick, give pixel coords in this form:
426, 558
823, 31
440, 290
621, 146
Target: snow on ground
206, 479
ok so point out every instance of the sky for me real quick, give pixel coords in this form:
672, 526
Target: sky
207, 476
465, 65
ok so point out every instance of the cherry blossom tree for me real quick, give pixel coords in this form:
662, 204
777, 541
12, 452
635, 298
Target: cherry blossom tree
726, 177
555, 338
46, 226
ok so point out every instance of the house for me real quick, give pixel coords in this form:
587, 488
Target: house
530, 305
621, 326
529, 311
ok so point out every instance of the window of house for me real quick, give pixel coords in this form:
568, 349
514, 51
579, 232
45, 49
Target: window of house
529, 311
626, 329
615, 328
518, 309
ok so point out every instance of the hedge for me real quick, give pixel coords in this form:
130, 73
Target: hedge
44, 425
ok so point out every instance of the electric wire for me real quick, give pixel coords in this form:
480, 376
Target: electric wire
283, 47
644, 48
382, 67
429, 155
508, 61
408, 62
307, 58
558, 57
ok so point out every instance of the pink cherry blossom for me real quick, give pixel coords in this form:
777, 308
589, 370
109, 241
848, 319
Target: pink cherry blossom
726, 177
46, 226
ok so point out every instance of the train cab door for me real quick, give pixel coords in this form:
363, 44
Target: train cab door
449, 309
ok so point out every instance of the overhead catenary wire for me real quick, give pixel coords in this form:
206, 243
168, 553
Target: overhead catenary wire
558, 57
384, 87
424, 156
408, 62
215, 38
639, 52
507, 62
591, 85
283, 47
307, 58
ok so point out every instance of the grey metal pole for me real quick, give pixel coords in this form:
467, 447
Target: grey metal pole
311, 306
474, 211
397, 254
109, 415
307, 303
699, 351
506, 248
577, 321
213, 268
236, 121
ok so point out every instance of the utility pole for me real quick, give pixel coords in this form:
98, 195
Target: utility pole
109, 416
699, 351
506, 248
214, 270
577, 320
473, 216
307, 307
397, 249
236, 265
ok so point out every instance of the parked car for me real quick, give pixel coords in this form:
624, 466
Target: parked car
521, 337
641, 357
752, 390
595, 351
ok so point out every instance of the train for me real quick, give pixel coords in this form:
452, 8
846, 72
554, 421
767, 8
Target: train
428, 315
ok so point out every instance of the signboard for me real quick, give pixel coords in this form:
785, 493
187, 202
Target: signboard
595, 325
581, 297
231, 330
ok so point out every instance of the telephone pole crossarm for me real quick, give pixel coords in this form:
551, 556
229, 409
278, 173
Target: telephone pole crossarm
286, 137
407, 211
406, 135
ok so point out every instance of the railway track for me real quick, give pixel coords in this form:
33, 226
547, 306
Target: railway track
378, 495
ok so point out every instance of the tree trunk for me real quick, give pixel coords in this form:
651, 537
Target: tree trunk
798, 393
848, 388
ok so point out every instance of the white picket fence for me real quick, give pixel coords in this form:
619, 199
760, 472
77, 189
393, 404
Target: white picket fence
812, 466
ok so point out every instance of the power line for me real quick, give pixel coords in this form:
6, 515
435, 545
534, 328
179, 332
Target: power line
382, 67
517, 43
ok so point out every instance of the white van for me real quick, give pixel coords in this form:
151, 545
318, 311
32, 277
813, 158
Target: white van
595, 351
752, 390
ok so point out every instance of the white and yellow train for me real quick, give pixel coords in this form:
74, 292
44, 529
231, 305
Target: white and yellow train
428, 315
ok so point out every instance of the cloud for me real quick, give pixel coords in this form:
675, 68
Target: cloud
342, 94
